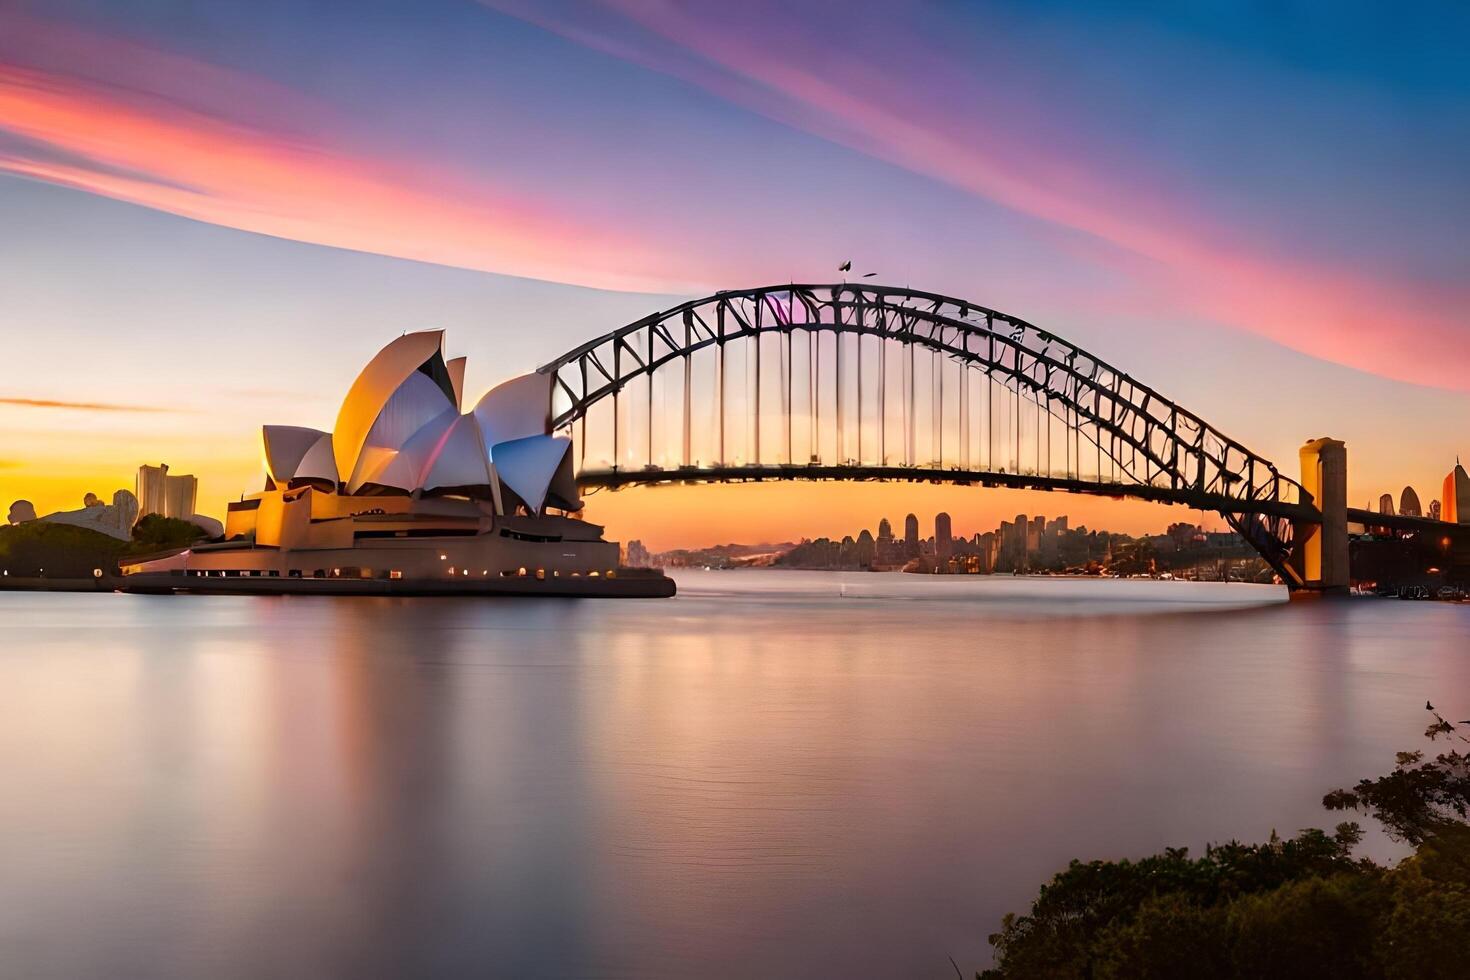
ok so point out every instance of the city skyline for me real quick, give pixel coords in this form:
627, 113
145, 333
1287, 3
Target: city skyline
194, 173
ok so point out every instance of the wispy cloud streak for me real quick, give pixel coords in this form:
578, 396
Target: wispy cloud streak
82, 406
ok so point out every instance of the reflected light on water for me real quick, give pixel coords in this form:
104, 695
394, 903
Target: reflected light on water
775, 774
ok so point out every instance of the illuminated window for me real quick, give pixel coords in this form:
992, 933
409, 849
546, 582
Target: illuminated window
395, 573
541, 574
521, 571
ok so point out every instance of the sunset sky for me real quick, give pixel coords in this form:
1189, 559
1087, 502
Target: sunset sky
212, 214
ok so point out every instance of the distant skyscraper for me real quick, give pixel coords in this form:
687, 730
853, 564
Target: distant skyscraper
911, 535
152, 481
1385, 504
1456, 496
1409, 503
180, 495
1049, 542
943, 536
885, 531
165, 495
1033, 535
1434, 510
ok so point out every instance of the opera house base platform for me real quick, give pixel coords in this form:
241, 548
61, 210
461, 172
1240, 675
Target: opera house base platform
629, 583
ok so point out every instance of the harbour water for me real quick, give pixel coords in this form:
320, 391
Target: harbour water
774, 774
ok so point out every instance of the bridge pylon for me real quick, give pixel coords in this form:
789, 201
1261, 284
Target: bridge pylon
1321, 555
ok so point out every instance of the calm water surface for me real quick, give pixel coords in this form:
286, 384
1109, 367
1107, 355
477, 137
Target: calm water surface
775, 774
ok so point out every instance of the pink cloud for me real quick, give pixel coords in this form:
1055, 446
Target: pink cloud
914, 105
132, 139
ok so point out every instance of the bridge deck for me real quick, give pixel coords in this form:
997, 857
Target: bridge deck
1399, 522
613, 478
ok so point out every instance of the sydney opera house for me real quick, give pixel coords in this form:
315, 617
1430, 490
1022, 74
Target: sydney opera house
409, 492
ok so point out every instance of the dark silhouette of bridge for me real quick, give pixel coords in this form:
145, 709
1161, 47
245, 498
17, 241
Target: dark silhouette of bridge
854, 381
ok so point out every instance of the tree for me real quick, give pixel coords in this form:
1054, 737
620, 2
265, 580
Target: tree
41, 548
154, 532
1299, 907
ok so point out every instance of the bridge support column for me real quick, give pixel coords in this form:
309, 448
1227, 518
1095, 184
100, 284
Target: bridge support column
1322, 552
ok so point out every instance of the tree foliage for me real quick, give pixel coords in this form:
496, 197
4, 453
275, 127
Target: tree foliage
43, 549
1418, 799
154, 532
1303, 906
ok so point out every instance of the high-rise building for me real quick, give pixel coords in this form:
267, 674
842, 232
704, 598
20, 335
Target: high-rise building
151, 492
180, 496
911, 535
1385, 504
1033, 535
989, 550
1434, 509
1409, 503
943, 536
164, 494
886, 548
1456, 496
1049, 544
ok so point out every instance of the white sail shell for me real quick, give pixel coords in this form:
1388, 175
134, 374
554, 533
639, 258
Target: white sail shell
528, 466
283, 447
374, 387
459, 458
515, 409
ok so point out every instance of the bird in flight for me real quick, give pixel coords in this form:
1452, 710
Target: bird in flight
845, 267
869, 275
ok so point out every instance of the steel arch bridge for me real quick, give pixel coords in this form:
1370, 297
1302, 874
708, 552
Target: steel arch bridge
865, 382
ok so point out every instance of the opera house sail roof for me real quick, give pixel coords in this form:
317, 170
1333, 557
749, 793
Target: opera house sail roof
400, 430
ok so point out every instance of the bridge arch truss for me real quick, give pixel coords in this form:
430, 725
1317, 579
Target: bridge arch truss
867, 382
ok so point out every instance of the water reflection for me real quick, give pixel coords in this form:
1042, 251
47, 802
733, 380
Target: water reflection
776, 774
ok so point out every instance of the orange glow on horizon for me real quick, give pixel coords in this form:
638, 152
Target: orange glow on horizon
670, 517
